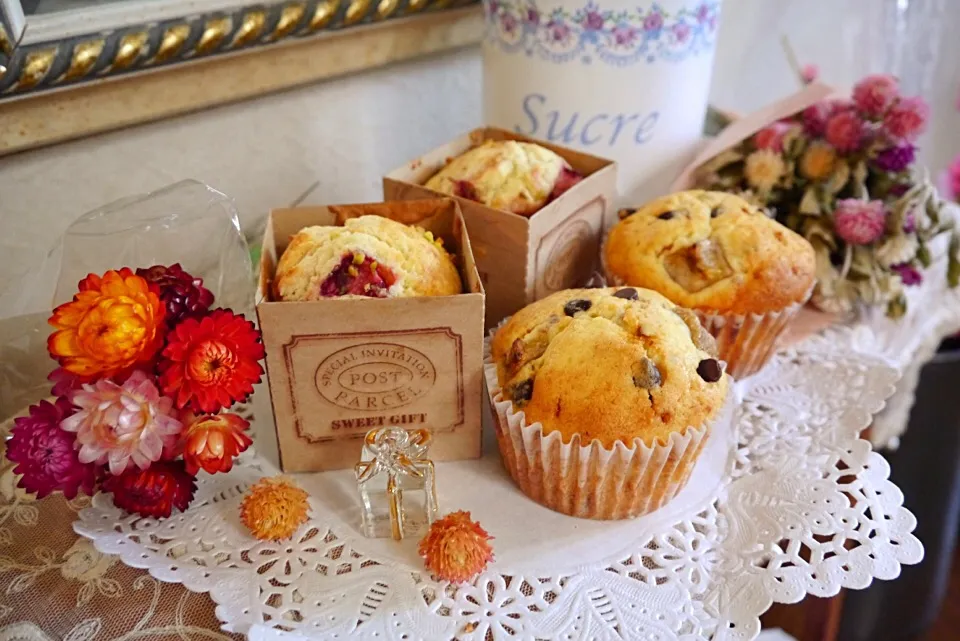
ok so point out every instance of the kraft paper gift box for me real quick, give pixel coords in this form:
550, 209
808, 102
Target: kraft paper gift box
523, 259
338, 368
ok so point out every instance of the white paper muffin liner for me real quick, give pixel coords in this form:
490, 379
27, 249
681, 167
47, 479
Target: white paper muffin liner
746, 342
590, 481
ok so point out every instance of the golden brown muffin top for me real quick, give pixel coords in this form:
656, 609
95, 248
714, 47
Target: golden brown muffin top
400, 260
611, 364
512, 176
711, 251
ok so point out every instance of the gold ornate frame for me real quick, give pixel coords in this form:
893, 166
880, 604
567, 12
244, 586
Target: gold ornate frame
234, 54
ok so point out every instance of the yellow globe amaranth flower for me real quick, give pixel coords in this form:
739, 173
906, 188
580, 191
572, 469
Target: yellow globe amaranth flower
763, 169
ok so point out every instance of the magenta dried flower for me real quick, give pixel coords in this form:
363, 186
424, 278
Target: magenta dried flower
909, 275
46, 455
875, 94
895, 159
859, 222
183, 295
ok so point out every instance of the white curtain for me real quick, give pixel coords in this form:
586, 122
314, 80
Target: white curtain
847, 39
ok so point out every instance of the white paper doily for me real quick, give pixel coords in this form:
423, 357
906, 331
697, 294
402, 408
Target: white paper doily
907, 344
802, 506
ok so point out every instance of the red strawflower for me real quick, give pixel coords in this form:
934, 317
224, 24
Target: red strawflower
211, 363
907, 119
211, 441
845, 131
46, 455
771, 137
183, 295
875, 94
152, 492
815, 116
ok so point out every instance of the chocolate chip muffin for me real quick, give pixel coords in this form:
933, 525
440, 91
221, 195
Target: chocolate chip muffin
745, 274
518, 177
612, 369
369, 256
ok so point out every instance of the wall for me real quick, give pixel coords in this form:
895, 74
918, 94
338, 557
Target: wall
347, 132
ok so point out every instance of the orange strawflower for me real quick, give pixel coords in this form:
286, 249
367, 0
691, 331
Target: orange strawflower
113, 323
211, 442
456, 548
211, 362
274, 509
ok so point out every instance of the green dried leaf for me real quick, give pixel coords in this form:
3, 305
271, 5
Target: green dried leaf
923, 255
953, 261
721, 160
838, 179
897, 307
810, 203
934, 206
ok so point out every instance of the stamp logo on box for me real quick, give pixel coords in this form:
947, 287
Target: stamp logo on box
380, 378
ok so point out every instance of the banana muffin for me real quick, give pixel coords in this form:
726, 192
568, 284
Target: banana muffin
744, 273
518, 177
611, 369
369, 256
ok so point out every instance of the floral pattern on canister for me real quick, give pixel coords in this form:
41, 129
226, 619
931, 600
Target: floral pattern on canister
592, 33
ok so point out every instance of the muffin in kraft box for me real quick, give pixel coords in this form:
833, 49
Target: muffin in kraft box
372, 315
536, 212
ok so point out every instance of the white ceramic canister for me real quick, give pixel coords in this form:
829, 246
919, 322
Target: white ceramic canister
623, 79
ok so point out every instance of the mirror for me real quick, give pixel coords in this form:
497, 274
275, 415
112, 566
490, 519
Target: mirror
50, 44
160, 58
37, 7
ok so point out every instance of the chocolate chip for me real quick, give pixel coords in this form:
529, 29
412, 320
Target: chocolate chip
595, 281
626, 212
709, 370
667, 215
627, 293
715, 212
576, 305
646, 375
523, 391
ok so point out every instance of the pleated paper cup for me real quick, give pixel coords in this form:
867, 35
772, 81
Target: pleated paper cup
589, 480
745, 341
748, 341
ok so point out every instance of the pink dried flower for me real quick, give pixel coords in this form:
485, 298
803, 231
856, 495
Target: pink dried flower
815, 116
907, 119
809, 73
845, 131
909, 275
875, 94
859, 222
771, 137
46, 456
950, 180
117, 424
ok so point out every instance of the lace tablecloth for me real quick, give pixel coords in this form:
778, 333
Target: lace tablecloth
786, 501
54, 584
